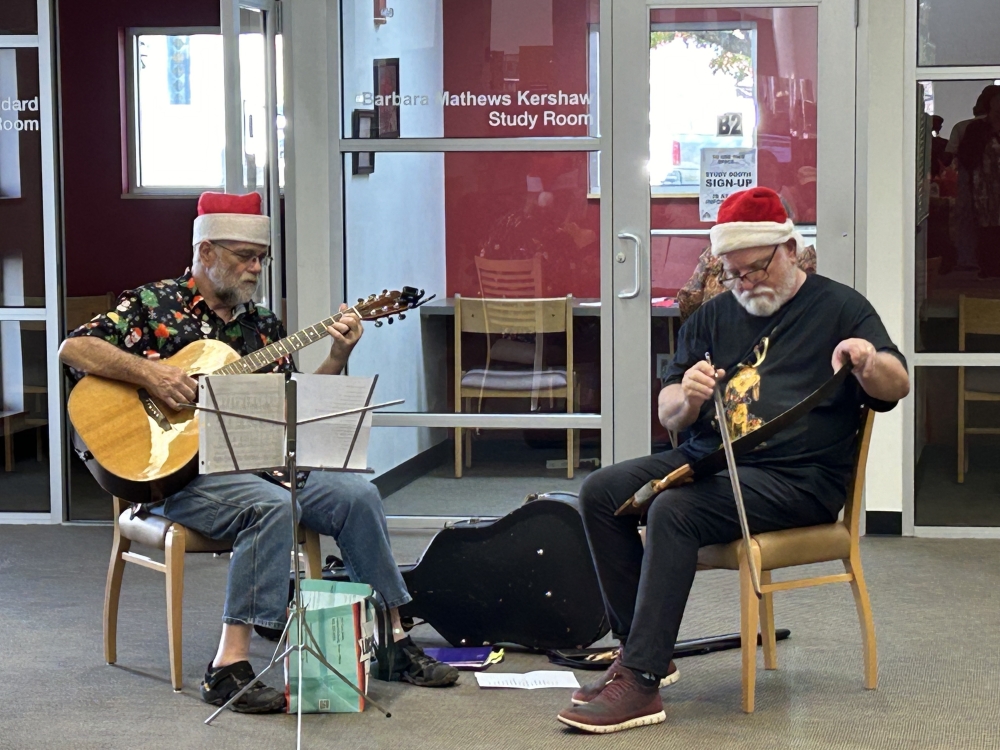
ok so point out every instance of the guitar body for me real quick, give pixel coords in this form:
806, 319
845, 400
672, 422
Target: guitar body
133, 437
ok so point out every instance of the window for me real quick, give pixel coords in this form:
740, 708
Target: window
719, 64
177, 119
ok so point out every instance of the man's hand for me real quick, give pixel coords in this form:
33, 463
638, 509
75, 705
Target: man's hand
861, 353
698, 382
170, 384
880, 374
346, 333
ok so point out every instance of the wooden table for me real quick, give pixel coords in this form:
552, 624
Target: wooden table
585, 306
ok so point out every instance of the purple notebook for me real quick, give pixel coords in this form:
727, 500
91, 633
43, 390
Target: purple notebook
471, 657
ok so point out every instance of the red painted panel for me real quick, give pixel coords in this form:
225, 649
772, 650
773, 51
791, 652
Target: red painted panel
113, 243
516, 205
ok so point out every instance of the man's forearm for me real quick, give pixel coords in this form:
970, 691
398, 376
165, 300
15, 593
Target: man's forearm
674, 411
888, 380
98, 357
330, 366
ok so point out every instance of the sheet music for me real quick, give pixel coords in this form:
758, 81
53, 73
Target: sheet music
257, 445
326, 444
528, 681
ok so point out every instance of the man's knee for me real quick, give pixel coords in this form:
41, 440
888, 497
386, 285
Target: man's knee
273, 510
668, 515
367, 496
594, 496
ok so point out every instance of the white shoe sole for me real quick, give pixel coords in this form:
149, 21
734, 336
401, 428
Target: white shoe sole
642, 721
670, 679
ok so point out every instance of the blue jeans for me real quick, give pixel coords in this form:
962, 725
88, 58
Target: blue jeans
256, 515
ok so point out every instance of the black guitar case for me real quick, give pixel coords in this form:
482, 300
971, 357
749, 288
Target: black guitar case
526, 578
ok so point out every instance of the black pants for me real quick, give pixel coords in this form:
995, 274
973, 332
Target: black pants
645, 590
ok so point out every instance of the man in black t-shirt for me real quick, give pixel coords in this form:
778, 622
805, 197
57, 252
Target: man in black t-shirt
777, 338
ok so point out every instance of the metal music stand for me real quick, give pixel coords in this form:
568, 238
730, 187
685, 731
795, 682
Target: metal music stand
297, 615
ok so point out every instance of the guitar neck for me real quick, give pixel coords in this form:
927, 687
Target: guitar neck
285, 347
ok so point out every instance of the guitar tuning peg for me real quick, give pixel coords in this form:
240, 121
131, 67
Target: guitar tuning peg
402, 316
360, 300
390, 320
378, 323
385, 291
371, 296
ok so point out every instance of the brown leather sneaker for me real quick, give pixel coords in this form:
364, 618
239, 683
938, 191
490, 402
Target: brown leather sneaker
591, 690
624, 703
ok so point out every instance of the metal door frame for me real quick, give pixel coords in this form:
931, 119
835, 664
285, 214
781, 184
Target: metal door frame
628, 386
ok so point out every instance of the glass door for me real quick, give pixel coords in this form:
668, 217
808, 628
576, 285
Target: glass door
251, 44
757, 94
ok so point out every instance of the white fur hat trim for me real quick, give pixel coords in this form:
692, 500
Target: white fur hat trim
739, 235
235, 227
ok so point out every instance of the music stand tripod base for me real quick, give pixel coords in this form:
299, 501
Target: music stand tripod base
297, 615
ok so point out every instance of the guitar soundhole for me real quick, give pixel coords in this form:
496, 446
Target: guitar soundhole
153, 410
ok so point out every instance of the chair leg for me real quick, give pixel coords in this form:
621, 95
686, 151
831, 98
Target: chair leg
961, 439
767, 637
314, 560
174, 559
749, 617
864, 606
468, 448
112, 593
570, 462
8, 446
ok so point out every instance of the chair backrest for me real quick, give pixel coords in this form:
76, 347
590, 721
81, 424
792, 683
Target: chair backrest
977, 315
852, 508
80, 310
510, 278
507, 316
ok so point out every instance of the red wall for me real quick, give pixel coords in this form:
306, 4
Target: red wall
490, 209
113, 243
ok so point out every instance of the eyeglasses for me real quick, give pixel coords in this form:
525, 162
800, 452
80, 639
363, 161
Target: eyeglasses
753, 276
247, 258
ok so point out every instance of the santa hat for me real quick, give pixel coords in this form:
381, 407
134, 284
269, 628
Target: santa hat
752, 218
231, 217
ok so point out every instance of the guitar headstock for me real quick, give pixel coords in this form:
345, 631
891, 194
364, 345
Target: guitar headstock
389, 304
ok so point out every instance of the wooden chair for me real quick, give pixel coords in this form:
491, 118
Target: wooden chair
80, 310
791, 547
976, 316
509, 279
174, 540
497, 317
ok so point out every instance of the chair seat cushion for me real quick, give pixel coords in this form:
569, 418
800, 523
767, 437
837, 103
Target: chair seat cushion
784, 549
982, 379
152, 530
514, 380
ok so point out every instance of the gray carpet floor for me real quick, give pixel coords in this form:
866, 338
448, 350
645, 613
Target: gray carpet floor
936, 606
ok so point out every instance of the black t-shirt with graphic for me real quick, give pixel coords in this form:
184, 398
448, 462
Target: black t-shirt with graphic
773, 363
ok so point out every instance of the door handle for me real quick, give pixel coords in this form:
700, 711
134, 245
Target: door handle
634, 292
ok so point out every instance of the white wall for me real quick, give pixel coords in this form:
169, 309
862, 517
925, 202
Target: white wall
887, 215
395, 222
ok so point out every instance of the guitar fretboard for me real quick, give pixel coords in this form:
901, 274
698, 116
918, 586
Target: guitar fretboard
282, 348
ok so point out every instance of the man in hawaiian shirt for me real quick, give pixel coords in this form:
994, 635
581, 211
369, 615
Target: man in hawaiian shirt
214, 300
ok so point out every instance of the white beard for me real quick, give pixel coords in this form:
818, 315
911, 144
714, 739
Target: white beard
764, 301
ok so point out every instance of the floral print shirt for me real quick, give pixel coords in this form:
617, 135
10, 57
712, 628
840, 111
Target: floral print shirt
159, 319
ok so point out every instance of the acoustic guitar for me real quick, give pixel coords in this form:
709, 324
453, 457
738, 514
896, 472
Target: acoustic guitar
142, 451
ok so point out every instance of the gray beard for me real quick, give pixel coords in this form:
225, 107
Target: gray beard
766, 305
761, 306
231, 294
